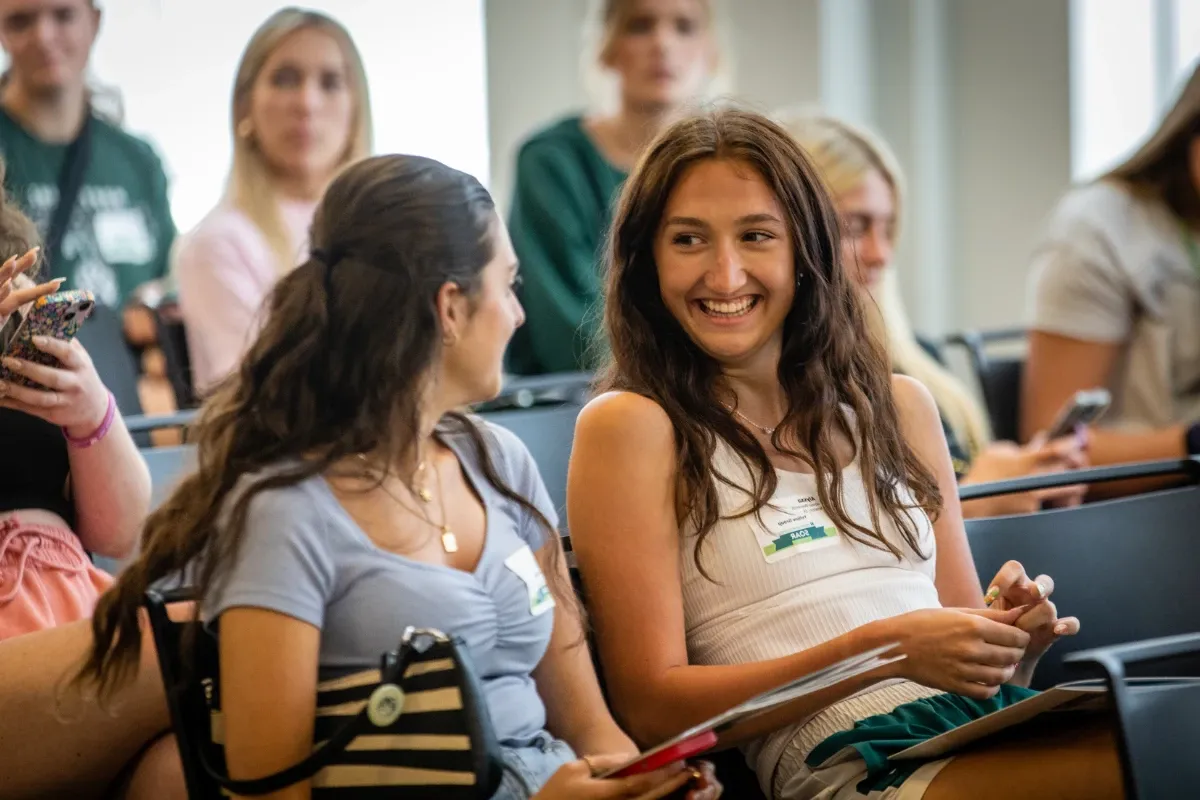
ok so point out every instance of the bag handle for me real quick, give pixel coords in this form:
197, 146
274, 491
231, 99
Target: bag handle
70, 180
394, 667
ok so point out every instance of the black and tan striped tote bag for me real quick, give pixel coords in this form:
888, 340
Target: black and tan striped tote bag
415, 728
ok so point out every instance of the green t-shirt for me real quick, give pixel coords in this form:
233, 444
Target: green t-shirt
561, 211
121, 231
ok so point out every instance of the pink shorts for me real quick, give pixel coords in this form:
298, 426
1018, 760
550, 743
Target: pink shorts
46, 578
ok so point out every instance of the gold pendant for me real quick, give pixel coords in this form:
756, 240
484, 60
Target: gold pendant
425, 495
449, 541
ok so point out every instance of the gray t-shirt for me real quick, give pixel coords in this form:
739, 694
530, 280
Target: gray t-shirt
1114, 268
302, 555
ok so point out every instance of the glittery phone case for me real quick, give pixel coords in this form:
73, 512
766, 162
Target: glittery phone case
57, 315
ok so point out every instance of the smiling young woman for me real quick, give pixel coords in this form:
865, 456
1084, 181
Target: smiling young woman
756, 496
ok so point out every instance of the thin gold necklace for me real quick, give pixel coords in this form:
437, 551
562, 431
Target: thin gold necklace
750, 422
448, 539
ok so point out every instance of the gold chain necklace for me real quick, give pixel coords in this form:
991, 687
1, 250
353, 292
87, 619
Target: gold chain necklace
448, 539
750, 422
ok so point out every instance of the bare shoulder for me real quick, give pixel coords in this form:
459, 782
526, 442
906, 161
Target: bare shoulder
625, 418
913, 400
920, 420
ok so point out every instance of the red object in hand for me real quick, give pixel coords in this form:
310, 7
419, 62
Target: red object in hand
680, 751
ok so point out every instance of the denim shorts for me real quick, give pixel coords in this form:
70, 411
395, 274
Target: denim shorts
534, 761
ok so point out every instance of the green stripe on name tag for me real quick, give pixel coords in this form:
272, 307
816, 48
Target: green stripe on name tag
800, 537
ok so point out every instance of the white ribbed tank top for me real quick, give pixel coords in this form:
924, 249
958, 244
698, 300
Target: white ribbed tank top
752, 610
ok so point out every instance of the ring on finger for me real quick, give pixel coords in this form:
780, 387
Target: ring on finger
591, 767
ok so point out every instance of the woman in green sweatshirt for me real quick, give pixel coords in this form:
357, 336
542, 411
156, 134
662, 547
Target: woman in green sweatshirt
663, 54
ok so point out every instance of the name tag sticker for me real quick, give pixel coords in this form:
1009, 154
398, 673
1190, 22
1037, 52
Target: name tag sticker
791, 525
123, 237
525, 566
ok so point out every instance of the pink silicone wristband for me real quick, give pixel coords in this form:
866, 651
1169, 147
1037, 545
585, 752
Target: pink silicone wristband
100, 432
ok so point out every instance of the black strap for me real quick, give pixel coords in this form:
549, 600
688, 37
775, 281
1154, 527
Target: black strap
321, 757
70, 181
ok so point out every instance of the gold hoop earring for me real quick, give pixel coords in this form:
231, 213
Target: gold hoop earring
245, 128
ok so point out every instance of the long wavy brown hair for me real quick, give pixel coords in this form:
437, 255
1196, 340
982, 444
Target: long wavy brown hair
349, 343
829, 362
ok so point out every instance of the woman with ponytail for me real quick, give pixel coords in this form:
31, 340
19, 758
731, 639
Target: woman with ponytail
339, 498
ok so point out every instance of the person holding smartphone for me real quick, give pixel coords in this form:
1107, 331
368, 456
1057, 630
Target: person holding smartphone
72, 480
866, 184
1115, 298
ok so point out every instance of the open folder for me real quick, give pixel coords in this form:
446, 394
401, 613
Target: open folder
1088, 695
702, 737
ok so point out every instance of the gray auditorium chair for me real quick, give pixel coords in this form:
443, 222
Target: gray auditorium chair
548, 431
167, 465
1125, 567
1157, 723
999, 376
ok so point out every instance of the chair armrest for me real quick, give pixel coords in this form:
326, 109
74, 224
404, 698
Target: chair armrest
142, 423
1187, 467
521, 391
1138, 652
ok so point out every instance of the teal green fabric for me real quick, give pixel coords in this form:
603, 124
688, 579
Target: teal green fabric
875, 738
121, 231
561, 210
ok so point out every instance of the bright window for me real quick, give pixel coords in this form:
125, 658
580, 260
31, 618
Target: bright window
1117, 89
174, 60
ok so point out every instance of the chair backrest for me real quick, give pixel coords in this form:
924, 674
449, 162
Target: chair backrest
999, 376
185, 689
167, 466
1158, 722
548, 431
1000, 382
1118, 565
172, 340
103, 336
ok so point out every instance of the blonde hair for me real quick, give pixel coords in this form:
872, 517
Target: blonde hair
1160, 167
250, 188
844, 155
605, 20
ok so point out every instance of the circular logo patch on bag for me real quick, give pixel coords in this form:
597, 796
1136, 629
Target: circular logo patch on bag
386, 705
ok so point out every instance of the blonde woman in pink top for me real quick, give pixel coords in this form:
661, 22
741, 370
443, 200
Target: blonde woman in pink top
301, 112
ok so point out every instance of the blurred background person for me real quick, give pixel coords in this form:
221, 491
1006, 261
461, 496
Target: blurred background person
72, 482
1116, 298
865, 180
301, 112
97, 193
663, 55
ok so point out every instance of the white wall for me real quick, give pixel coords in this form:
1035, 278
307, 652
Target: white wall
1002, 109
1012, 147
534, 69
174, 64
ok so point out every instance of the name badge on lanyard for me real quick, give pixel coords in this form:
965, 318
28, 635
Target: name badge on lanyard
791, 525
